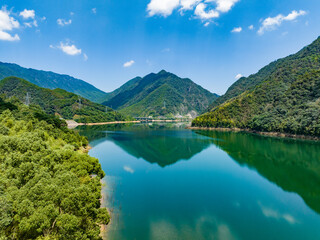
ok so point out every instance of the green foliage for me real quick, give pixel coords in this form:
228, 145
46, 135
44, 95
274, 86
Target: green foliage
52, 81
46, 188
286, 100
59, 102
163, 94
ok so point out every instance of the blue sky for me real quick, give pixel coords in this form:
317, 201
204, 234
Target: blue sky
108, 42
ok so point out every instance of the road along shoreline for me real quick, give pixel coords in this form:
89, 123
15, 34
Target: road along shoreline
73, 124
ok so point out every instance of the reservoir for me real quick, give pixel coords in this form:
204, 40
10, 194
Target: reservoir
166, 182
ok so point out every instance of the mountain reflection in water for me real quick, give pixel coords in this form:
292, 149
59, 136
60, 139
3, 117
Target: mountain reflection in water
294, 165
163, 178
154, 143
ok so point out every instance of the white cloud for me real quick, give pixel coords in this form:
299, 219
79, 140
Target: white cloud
69, 49
237, 30
188, 4
238, 76
162, 7
7, 37
251, 27
71, 13
26, 14
202, 14
85, 57
63, 22
94, 10
8, 23
31, 24
294, 14
128, 169
224, 5
128, 64
272, 23
206, 24
28, 24
203, 9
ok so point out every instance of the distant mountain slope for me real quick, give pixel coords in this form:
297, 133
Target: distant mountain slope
52, 81
283, 97
162, 94
58, 101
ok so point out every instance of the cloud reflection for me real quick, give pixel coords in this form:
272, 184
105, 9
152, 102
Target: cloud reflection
272, 213
205, 227
128, 169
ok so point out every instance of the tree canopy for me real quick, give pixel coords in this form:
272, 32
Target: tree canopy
49, 187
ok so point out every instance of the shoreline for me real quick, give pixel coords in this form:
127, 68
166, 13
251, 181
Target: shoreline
73, 124
266, 134
103, 227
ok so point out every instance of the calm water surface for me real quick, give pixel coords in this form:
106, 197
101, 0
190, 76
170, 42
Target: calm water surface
165, 182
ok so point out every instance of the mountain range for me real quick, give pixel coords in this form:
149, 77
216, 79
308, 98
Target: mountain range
52, 80
282, 97
160, 95
58, 101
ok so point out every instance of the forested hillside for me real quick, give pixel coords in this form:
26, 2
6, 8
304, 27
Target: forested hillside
163, 94
284, 97
49, 187
58, 101
268, 72
52, 80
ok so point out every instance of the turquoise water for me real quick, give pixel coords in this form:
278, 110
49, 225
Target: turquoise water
166, 182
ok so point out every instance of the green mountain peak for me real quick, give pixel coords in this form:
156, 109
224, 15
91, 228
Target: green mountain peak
163, 72
160, 94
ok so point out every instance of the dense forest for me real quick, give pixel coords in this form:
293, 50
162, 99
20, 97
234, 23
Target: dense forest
52, 80
286, 98
60, 102
160, 95
49, 187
